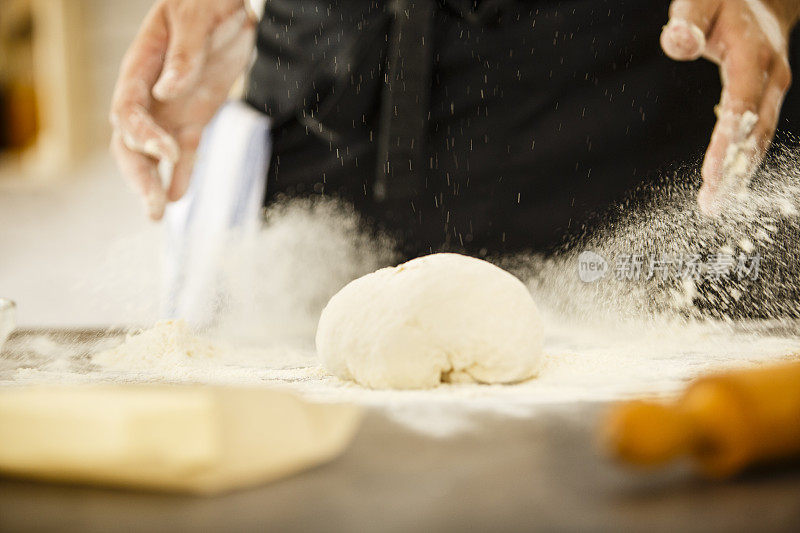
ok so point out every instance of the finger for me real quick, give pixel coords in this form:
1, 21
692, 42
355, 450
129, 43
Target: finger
140, 133
186, 52
254, 10
189, 139
140, 172
141, 66
727, 159
181, 177
769, 112
684, 36
139, 70
744, 81
230, 29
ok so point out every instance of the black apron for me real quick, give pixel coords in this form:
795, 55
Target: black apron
492, 126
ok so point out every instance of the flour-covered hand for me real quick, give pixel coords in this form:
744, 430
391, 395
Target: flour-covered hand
748, 39
174, 77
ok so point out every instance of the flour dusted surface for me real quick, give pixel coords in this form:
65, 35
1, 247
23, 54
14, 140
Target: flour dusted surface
168, 344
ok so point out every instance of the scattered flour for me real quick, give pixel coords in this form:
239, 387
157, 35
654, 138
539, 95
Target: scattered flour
580, 365
274, 285
603, 341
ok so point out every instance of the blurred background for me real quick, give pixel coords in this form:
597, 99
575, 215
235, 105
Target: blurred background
58, 64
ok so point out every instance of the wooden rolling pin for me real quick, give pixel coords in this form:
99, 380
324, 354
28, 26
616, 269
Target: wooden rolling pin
724, 422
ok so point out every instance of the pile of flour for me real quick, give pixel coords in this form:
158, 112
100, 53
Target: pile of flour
167, 345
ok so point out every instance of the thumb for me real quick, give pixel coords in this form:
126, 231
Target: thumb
684, 36
186, 54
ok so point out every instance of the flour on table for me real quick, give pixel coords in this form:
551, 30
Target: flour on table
644, 344
170, 343
579, 365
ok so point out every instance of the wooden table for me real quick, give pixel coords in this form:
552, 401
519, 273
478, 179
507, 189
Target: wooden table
542, 472
513, 474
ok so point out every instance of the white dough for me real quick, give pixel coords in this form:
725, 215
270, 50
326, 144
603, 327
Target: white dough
442, 317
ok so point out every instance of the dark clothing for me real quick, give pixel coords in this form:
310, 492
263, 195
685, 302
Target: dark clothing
539, 113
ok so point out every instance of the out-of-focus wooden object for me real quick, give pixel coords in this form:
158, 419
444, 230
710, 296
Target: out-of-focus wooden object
60, 74
724, 422
183, 438
18, 114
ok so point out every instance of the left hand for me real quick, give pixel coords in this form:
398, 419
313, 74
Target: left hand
174, 77
748, 39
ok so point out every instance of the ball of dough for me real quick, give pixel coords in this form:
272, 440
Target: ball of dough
438, 318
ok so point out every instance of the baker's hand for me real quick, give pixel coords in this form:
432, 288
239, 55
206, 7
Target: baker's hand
174, 77
748, 40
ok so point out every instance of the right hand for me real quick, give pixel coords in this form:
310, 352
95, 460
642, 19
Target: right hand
748, 39
174, 77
